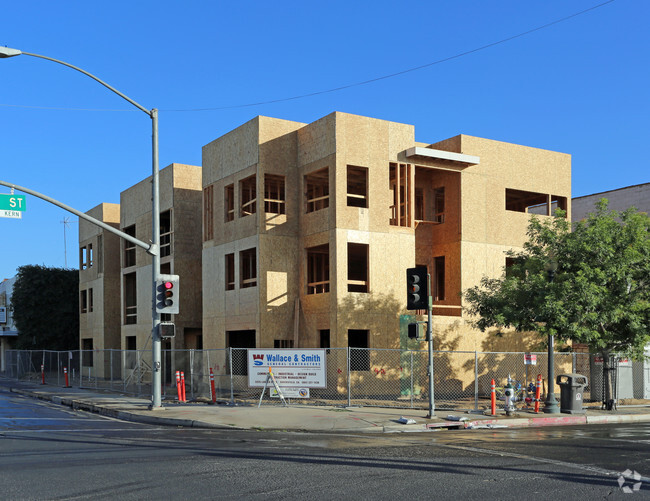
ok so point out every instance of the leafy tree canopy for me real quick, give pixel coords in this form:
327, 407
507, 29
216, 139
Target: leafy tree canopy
45, 305
599, 295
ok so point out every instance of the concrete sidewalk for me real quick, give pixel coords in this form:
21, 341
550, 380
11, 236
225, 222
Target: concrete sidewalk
304, 417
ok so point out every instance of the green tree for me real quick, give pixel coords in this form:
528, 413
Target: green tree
45, 304
600, 294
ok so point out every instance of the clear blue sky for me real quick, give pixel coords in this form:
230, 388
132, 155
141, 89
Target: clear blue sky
580, 86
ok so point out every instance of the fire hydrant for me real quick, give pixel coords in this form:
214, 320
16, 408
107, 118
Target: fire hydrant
509, 398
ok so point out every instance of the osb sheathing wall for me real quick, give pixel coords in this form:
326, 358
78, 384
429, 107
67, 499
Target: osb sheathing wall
103, 278
474, 237
262, 145
179, 184
370, 143
488, 230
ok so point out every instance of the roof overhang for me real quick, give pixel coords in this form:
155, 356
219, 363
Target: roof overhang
431, 154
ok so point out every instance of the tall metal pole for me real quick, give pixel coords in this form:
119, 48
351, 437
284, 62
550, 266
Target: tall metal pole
551, 404
154, 249
432, 404
156, 355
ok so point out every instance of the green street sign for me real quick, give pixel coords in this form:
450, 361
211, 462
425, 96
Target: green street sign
12, 202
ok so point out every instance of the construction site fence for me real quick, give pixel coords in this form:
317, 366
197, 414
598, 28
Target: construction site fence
355, 376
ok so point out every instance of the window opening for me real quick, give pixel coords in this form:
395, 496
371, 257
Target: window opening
87, 352
318, 269
533, 203
357, 186
283, 343
324, 338
131, 343
399, 184
558, 202
165, 233
274, 196
230, 272
239, 341
439, 278
83, 301
359, 353
439, 204
419, 204
86, 257
229, 202
357, 267
248, 268
129, 247
208, 213
130, 299
248, 196
317, 190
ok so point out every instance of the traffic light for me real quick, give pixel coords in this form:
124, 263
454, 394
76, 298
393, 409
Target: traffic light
167, 294
417, 297
414, 330
166, 330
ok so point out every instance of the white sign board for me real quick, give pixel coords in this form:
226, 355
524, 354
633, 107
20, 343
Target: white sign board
291, 368
530, 359
3, 314
290, 392
14, 214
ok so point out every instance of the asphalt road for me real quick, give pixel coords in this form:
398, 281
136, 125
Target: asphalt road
52, 452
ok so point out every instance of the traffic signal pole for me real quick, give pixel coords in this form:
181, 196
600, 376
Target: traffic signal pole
418, 297
432, 403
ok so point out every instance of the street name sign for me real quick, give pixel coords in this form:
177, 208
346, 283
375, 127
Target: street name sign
12, 202
12, 205
11, 213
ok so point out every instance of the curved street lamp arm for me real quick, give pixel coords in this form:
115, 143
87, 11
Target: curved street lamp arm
109, 87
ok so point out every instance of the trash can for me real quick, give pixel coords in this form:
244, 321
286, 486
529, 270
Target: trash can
571, 388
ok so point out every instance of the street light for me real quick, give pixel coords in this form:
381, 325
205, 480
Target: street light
154, 250
551, 404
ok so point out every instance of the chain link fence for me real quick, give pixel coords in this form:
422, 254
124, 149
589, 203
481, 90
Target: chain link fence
355, 376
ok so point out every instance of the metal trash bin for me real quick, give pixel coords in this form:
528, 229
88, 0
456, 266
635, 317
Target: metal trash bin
571, 389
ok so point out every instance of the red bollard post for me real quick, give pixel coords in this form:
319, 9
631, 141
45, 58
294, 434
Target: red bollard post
65, 373
178, 386
42, 374
214, 393
493, 398
183, 385
538, 391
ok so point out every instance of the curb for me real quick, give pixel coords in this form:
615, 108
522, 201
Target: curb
516, 422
